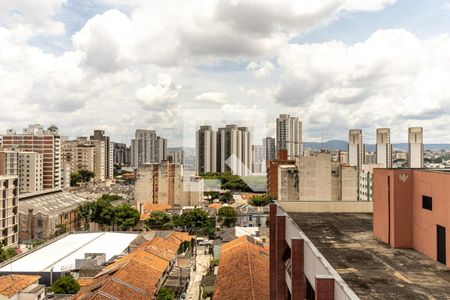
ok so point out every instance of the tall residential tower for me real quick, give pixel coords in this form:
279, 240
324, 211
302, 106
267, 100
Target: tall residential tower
415, 147
205, 150
384, 147
290, 135
356, 151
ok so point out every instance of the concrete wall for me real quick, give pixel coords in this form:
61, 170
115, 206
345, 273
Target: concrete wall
405, 224
314, 177
327, 206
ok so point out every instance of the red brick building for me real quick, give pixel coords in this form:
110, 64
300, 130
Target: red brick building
412, 210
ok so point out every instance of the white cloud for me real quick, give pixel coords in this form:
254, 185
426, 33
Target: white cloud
391, 78
172, 32
161, 94
213, 97
260, 69
31, 16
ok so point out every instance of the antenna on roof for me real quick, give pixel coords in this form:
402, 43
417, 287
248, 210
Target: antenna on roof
322, 141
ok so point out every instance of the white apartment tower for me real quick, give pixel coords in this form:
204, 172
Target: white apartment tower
30, 169
384, 147
415, 147
234, 141
356, 151
108, 156
205, 150
290, 135
147, 148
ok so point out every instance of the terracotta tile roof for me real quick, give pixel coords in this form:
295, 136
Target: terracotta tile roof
149, 207
215, 205
136, 275
243, 271
12, 284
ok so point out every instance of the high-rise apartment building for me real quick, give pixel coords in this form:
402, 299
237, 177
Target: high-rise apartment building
121, 154
9, 212
356, 149
28, 166
290, 135
99, 135
79, 154
205, 150
270, 148
46, 142
147, 148
234, 142
9, 162
259, 158
384, 147
415, 147
30, 171
99, 161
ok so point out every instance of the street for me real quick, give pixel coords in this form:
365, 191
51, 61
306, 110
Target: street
203, 260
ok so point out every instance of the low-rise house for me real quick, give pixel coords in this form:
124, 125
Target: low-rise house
141, 273
21, 287
248, 258
252, 216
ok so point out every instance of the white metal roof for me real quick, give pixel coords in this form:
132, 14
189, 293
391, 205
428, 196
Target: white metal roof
62, 253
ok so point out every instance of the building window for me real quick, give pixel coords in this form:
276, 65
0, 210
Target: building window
427, 202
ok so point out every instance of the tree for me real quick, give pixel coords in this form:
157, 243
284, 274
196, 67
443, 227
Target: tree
86, 175
126, 216
158, 220
7, 253
260, 200
65, 285
193, 220
226, 197
165, 294
60, 229
81, 176
227, 216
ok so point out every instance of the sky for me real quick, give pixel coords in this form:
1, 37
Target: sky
120, 65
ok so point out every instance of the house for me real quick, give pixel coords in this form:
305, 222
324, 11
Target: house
21, 287
250, 259
252, 216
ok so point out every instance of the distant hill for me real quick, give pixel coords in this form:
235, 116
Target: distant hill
342, 145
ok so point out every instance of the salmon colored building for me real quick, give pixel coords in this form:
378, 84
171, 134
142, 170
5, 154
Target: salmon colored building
411, 209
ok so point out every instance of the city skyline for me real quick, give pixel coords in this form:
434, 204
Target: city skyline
391, 72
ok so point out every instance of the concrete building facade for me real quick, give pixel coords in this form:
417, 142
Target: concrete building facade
272, 172
9, 214
121, 154
384, 148
108, 155
289, 135
46, 142
205, 150
147, 148
415, 147
234, 142
79, 154
411, 210
30, 172
270, 148
164, 183
365, 189
356, 149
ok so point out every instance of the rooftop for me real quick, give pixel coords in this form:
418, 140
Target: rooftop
249, 259
52, 202
371, 268
63, 252
12, 284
